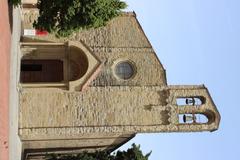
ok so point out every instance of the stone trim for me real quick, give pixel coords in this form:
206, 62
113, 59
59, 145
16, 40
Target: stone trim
121, 49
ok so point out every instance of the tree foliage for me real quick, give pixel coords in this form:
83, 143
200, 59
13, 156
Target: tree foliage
81, 156
133, 153
66, 16
14, 2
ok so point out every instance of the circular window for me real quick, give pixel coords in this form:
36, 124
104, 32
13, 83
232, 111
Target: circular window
124, 70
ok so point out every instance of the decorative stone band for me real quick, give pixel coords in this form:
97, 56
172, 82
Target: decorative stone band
113, 50
62, 133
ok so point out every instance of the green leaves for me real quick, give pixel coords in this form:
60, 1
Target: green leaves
81, 156
133, 153
64, 17
14, 2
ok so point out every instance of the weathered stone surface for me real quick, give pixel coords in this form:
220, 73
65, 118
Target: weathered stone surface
111, 107
97, 106
121, 39
136, 109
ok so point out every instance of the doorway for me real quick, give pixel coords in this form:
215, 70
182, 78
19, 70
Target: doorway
33, 70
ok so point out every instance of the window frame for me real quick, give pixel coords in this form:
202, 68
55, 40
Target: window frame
118, 62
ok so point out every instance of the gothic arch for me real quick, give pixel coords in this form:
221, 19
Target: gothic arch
68, 65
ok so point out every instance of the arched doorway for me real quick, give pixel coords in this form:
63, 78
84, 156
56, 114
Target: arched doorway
68, 65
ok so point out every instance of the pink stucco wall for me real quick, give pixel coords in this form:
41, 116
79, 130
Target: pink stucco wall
5, 36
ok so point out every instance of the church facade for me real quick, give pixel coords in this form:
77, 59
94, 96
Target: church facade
98, 88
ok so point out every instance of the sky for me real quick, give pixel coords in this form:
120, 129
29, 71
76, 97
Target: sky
198, 42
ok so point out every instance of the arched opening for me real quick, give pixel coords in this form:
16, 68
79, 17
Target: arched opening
78, 64
185, 118
51, 64
190, 101
68, 65
193, 118
201, 118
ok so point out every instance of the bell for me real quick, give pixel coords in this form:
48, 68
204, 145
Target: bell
188, 118
190, 101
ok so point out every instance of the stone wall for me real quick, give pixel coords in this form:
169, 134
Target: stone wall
121, 39
97, 106
110, 110
110, 107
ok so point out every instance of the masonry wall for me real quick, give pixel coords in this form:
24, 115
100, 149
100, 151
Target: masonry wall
121, 39
97, 106
106, 110
109, 106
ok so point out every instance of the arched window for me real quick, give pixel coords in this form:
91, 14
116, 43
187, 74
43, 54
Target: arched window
193, 119
201, 118
190, 101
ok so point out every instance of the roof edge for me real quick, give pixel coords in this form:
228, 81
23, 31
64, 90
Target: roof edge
128, 14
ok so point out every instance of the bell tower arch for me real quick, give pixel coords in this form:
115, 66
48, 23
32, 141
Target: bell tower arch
194, 109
